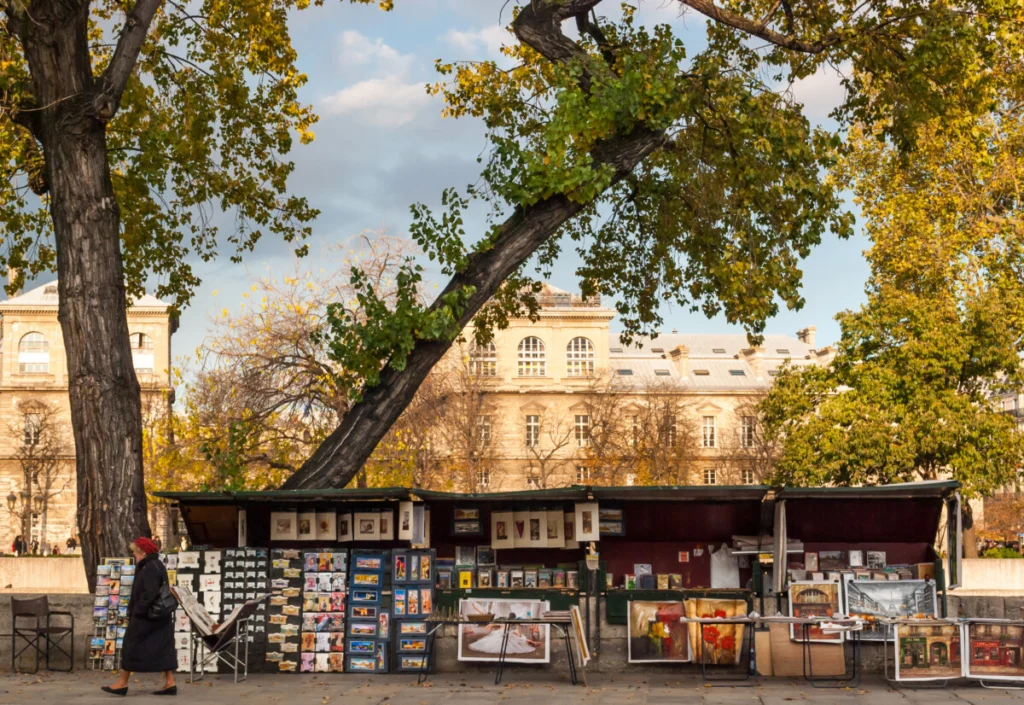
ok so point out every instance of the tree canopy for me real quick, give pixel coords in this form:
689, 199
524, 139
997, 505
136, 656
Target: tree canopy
913, 392
690, 177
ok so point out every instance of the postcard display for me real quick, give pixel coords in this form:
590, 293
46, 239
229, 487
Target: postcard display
413, 602
114, 579
324, 578
199, 572
369, 623
284, 619
246, 577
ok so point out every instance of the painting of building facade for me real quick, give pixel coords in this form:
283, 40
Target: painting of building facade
927, 652
814, 599
995, 651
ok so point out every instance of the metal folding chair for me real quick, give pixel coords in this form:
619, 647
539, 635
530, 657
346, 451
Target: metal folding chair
40, 634
223, 647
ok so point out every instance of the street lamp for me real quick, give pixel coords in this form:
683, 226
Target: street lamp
38, 502
12, 499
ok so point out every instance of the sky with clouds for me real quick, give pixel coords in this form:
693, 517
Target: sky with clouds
382, 145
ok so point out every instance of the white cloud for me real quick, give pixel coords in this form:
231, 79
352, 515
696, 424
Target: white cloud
821, 92
490, 38
390, 101
358, 50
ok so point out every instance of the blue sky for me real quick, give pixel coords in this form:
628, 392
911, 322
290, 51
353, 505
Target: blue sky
382, 145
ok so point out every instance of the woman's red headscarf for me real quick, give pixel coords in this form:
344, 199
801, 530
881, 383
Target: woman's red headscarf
146, 545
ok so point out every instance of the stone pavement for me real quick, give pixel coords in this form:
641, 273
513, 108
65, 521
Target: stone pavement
520, 688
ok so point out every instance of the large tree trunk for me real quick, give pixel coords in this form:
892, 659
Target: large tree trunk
342, 454
104, 393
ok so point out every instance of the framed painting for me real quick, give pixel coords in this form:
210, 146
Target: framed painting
656, 635
808, 598
995, 650
721, 643
927, 652
527, 643
872, 599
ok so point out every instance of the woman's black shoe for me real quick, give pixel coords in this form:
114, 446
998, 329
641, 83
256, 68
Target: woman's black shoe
173, 690
115, 691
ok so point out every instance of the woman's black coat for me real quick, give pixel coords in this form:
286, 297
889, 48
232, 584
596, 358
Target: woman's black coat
148, 643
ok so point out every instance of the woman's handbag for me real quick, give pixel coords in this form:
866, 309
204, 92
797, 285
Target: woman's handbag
165, 603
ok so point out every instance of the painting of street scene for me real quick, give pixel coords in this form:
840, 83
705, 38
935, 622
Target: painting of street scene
928, 652
995, 651
874, 600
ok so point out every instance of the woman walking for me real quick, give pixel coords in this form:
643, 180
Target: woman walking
148, 642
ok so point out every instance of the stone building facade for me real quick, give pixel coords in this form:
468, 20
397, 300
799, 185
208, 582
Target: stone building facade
35, 419
561, 400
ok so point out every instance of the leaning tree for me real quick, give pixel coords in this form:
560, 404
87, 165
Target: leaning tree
685, 176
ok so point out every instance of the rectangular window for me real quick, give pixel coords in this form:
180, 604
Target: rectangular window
634, 427
33, 426
582, 475
748, 476
532, 431
669, 431
532, 480
747, 432
708, 437
630, 479
483, 478
483, 430
582, 430
711, 476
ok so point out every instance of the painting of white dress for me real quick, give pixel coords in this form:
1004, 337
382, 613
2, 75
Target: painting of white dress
527, 643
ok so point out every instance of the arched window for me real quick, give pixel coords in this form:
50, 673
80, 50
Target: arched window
531, 358
483, 360
579, 357
142, 353
34, 354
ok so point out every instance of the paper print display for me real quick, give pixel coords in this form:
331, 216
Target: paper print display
536, 530
283, 527
307, 526
808, 598
716, 643
366, 526
555, 528
874, 599
405, 521
327, 526
520, 524
927, 652
386, 526
502, 535
656, 634
611, 522
344, 527
527, 643
995, 650
587, 523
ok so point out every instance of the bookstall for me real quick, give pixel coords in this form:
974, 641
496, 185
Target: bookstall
653, 563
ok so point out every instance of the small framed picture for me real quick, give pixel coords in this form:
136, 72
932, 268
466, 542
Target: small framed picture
485, 555
468, 528
411, 628
401, 567
467, 513
444, 578
366, 526
344, 527
483, 578
416, 645
530, 579
465, 555
516, 579
386, 531
501, 579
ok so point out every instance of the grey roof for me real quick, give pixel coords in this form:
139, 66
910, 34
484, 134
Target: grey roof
46, 295
703, 345
644, 362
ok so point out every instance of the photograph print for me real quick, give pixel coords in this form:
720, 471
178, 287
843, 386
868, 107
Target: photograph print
527, 643
874, 599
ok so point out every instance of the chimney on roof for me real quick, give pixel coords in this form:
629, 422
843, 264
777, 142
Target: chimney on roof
825, 356
755, 358
680, 357
807, 335
12, 274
